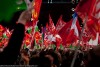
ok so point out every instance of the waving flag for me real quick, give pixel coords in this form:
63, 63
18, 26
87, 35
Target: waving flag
36, 10
34, 30
51, 26
60, 24
58, 40
91, 8
65, 31
74, 34
85, 36
94, 42
74, 25
85, 7
96, 10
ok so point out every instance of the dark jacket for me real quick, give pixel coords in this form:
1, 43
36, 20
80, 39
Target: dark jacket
11, 52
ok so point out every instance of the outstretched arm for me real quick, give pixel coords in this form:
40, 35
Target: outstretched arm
10, 53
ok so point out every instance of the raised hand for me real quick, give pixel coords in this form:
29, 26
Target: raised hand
25, 16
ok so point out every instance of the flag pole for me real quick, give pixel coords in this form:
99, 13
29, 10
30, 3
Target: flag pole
76, 50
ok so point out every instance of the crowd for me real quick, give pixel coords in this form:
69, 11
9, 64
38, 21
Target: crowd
12, 55
59, 58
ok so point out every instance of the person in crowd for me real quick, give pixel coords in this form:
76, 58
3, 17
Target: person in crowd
94, 57
25, 57
10, 53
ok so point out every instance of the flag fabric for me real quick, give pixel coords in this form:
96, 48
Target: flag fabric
58, 40
93, 27
31, 27
60, 24
96, 10
51, 26
47, 36
46, 42
35, 44
61, 47
73, 34
96, 13
85, 37
24, 46
65, 31
27, 38
73, 26
48, 33
37, 36
91, 8
36, 10
85, 7
94, 42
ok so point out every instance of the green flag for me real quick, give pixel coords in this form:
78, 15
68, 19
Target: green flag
53, 46
61, 47
4, 35
36, 29
70, 46
24, 46
29, 30
9, 7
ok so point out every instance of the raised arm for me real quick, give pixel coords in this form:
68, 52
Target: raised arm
10, 53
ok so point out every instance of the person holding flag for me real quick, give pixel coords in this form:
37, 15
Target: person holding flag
10, 53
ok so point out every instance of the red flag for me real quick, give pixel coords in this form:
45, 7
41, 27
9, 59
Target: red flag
36, 10
85, 36
96, 10
92, 26
51, 26
58, 40
71, 38
92, 9
27, 39
47, 42
60, 24
37, 36
47, 27
96, 14
74, 34
47, 32
65, 31
85, 7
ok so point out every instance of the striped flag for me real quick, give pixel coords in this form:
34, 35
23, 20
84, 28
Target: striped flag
74, 34
74, 25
